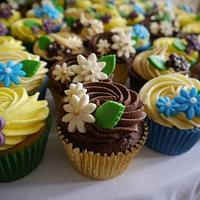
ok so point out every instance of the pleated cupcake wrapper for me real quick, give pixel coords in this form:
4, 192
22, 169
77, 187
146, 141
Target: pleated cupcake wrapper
97, 166
121, 73
20, 163
170, 141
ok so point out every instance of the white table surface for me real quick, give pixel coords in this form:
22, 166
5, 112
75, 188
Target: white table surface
152, 176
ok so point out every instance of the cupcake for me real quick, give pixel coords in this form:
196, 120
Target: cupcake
24, 129
84, 27
22, 69
142, 37
172, 104
153, 63
29, 30
46, 10
101, 127
56, 46
8, 15
79, 69
162, 23
120, 43
183, 47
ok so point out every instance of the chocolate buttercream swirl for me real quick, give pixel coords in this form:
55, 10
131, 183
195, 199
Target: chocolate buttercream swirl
127, 132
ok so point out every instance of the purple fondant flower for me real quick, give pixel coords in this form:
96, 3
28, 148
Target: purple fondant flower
2, 125
3, 29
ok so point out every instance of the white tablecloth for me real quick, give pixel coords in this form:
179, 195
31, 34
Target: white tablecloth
152, 176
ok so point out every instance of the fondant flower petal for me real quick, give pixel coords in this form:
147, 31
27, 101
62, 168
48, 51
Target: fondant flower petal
6, 81
193, 92
159, 104
182, 107
72, 126
180, 99
15, 79
80, 126
167, 112
190, 112
162, 109
184, 93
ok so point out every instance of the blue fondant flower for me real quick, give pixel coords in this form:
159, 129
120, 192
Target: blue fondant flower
10, 73
166, 106
140, 31
46, 10
138, 9
189, 102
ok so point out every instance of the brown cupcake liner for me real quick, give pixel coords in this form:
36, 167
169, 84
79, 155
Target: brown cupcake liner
136, 81
97, 166
121, 73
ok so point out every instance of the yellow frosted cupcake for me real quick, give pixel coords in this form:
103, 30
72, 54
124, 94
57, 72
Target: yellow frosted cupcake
8, 15
58, 45
101, 128
22, 69
154, 63
30, 29
172, 104
178, 46
24, 130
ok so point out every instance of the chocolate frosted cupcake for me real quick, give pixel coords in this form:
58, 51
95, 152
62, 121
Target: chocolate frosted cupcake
101, 127
79, 69
117, 42
153, 63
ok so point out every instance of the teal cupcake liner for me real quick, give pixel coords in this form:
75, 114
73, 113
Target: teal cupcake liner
22, 162
42, 89
171, 141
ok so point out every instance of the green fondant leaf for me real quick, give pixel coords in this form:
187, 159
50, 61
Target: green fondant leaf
44, 41
179, 44
30, 67
31, 23
109, 114
70, 21
110, 61
158, 62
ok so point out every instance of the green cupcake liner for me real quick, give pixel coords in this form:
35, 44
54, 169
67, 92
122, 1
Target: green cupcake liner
20, 163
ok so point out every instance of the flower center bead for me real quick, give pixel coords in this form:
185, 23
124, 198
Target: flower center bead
168, 104
76, 112
193, 100
8, 70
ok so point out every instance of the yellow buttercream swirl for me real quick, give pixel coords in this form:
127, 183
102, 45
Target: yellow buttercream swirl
24, 115
193, 27
168, 85
8, 43
144, 68
32, 83
191, 57
24, 33
9, 22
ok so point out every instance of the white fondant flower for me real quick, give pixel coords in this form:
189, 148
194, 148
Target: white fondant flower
88, 69
78, 113
123, 44
166, 28
103, 47
154, 28
74, 89
63, 73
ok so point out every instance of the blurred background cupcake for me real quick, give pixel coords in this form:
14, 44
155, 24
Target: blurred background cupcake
57, 46
101, 127
172, 104
22, 69
24, 129
153, 63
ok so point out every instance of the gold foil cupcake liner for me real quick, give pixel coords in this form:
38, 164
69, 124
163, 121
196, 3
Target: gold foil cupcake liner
97, 166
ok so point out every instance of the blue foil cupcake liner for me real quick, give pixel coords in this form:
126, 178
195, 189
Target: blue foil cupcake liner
171, 141
42, 89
